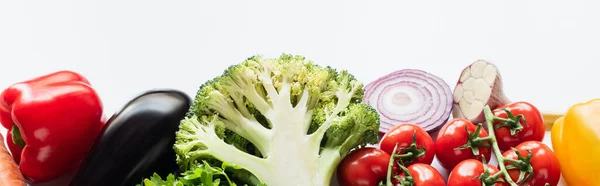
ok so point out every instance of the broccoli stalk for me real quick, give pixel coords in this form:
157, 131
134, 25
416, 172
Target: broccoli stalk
287, 121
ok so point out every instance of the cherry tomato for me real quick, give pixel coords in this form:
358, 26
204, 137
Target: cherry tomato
403, 136
425, 175
546, 168
466, 173
533, 127
451, 138
363, 167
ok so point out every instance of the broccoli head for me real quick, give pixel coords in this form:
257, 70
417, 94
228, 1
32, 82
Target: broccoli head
281, 120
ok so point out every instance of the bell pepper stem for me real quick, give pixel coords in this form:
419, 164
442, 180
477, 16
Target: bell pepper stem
16, 136
489, 119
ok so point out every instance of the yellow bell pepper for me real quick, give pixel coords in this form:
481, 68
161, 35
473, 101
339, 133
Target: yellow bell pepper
576, 142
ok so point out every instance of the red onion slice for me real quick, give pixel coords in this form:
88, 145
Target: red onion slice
410, 96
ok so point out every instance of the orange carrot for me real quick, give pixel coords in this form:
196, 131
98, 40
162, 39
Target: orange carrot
9, 171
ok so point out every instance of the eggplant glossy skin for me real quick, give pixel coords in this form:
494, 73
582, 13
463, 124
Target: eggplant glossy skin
136, 141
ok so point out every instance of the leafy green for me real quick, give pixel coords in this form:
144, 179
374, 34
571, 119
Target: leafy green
202, 175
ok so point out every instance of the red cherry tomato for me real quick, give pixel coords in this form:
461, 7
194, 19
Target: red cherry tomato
454, 135
466, 173
363, 167
546, 168
403, 136
533, 127
425, 175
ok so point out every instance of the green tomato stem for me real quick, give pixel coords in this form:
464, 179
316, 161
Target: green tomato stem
474, 141
500, 119
489, 119
511, 160
488, 138
396, 156
495, 175
407, 179
390, 166
411, 152
511, 121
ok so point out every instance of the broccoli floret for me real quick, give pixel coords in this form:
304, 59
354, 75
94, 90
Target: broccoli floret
281, 120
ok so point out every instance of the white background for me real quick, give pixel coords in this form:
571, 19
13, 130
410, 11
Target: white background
546, 50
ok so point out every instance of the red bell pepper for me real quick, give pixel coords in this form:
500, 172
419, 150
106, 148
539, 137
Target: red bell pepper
54, 120
13, 148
